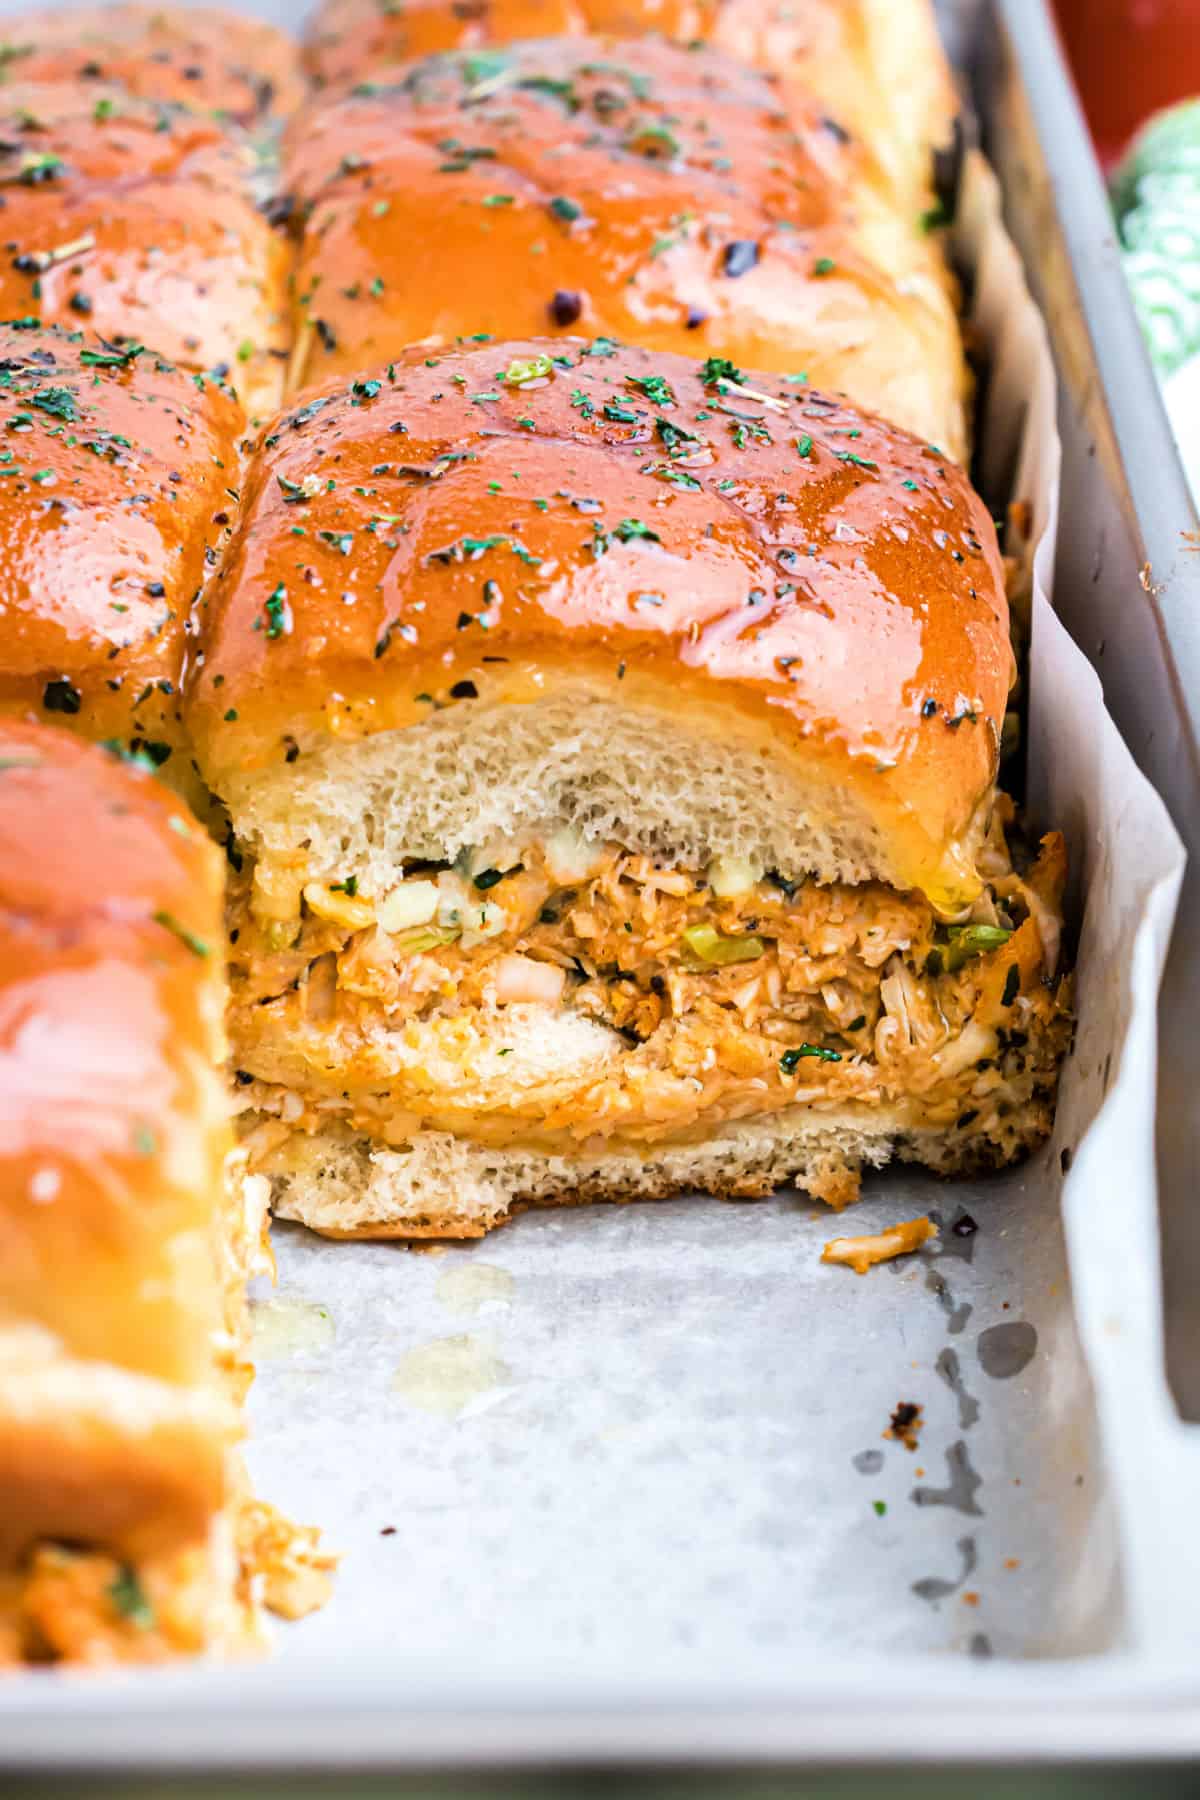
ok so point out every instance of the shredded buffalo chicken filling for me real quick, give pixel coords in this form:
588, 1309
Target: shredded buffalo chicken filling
78, 1604
726, 993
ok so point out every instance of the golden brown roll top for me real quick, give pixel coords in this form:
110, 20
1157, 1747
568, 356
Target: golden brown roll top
654, 194
117, 475
204, 58
115, 1420
877, 65
464, 535
139, 222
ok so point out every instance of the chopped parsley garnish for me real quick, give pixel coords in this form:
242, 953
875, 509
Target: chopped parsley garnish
789, 1062
279, 619
719, 368
673, 435
655, 387
58, 401
129, 1598
110, 357
470, 548
634, 528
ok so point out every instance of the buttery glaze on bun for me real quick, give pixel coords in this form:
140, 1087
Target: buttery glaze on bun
138, 221
119, 1384
204, 58
118, 470
877, 65
654, 194
609, 741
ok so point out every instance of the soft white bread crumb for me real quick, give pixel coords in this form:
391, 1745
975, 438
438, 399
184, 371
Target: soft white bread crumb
444, 1186
683, 786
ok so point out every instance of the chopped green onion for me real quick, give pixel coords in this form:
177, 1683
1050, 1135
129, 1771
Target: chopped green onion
707, 944
967, 941
518, 373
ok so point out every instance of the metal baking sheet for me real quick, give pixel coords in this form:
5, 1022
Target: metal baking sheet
1127, 582
615, 1483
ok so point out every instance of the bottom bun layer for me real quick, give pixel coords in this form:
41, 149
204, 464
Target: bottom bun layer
344, 1185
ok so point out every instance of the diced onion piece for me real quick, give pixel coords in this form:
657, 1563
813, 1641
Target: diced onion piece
419, 938
521, 978
731, 876
480, 920
350, 910
275, 892
706, 943
412, 903
973, 1044
569, 856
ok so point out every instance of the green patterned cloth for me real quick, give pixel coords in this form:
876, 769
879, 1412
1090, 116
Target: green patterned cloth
1156, 194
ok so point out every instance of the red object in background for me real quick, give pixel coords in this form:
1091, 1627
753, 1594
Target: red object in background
1129, 58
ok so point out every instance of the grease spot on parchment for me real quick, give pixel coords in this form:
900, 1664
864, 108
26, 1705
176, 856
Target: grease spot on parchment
934, 1588
447, 1374
1004, 1350
950, 1370
468, 1289
283, 1327
960, 1489
956, 1316
868, 1462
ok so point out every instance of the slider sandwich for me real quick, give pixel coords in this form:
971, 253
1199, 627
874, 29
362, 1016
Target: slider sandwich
876, 65
657, 195
609, 742
120, 474
128, 1229
140, 223
204, 58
